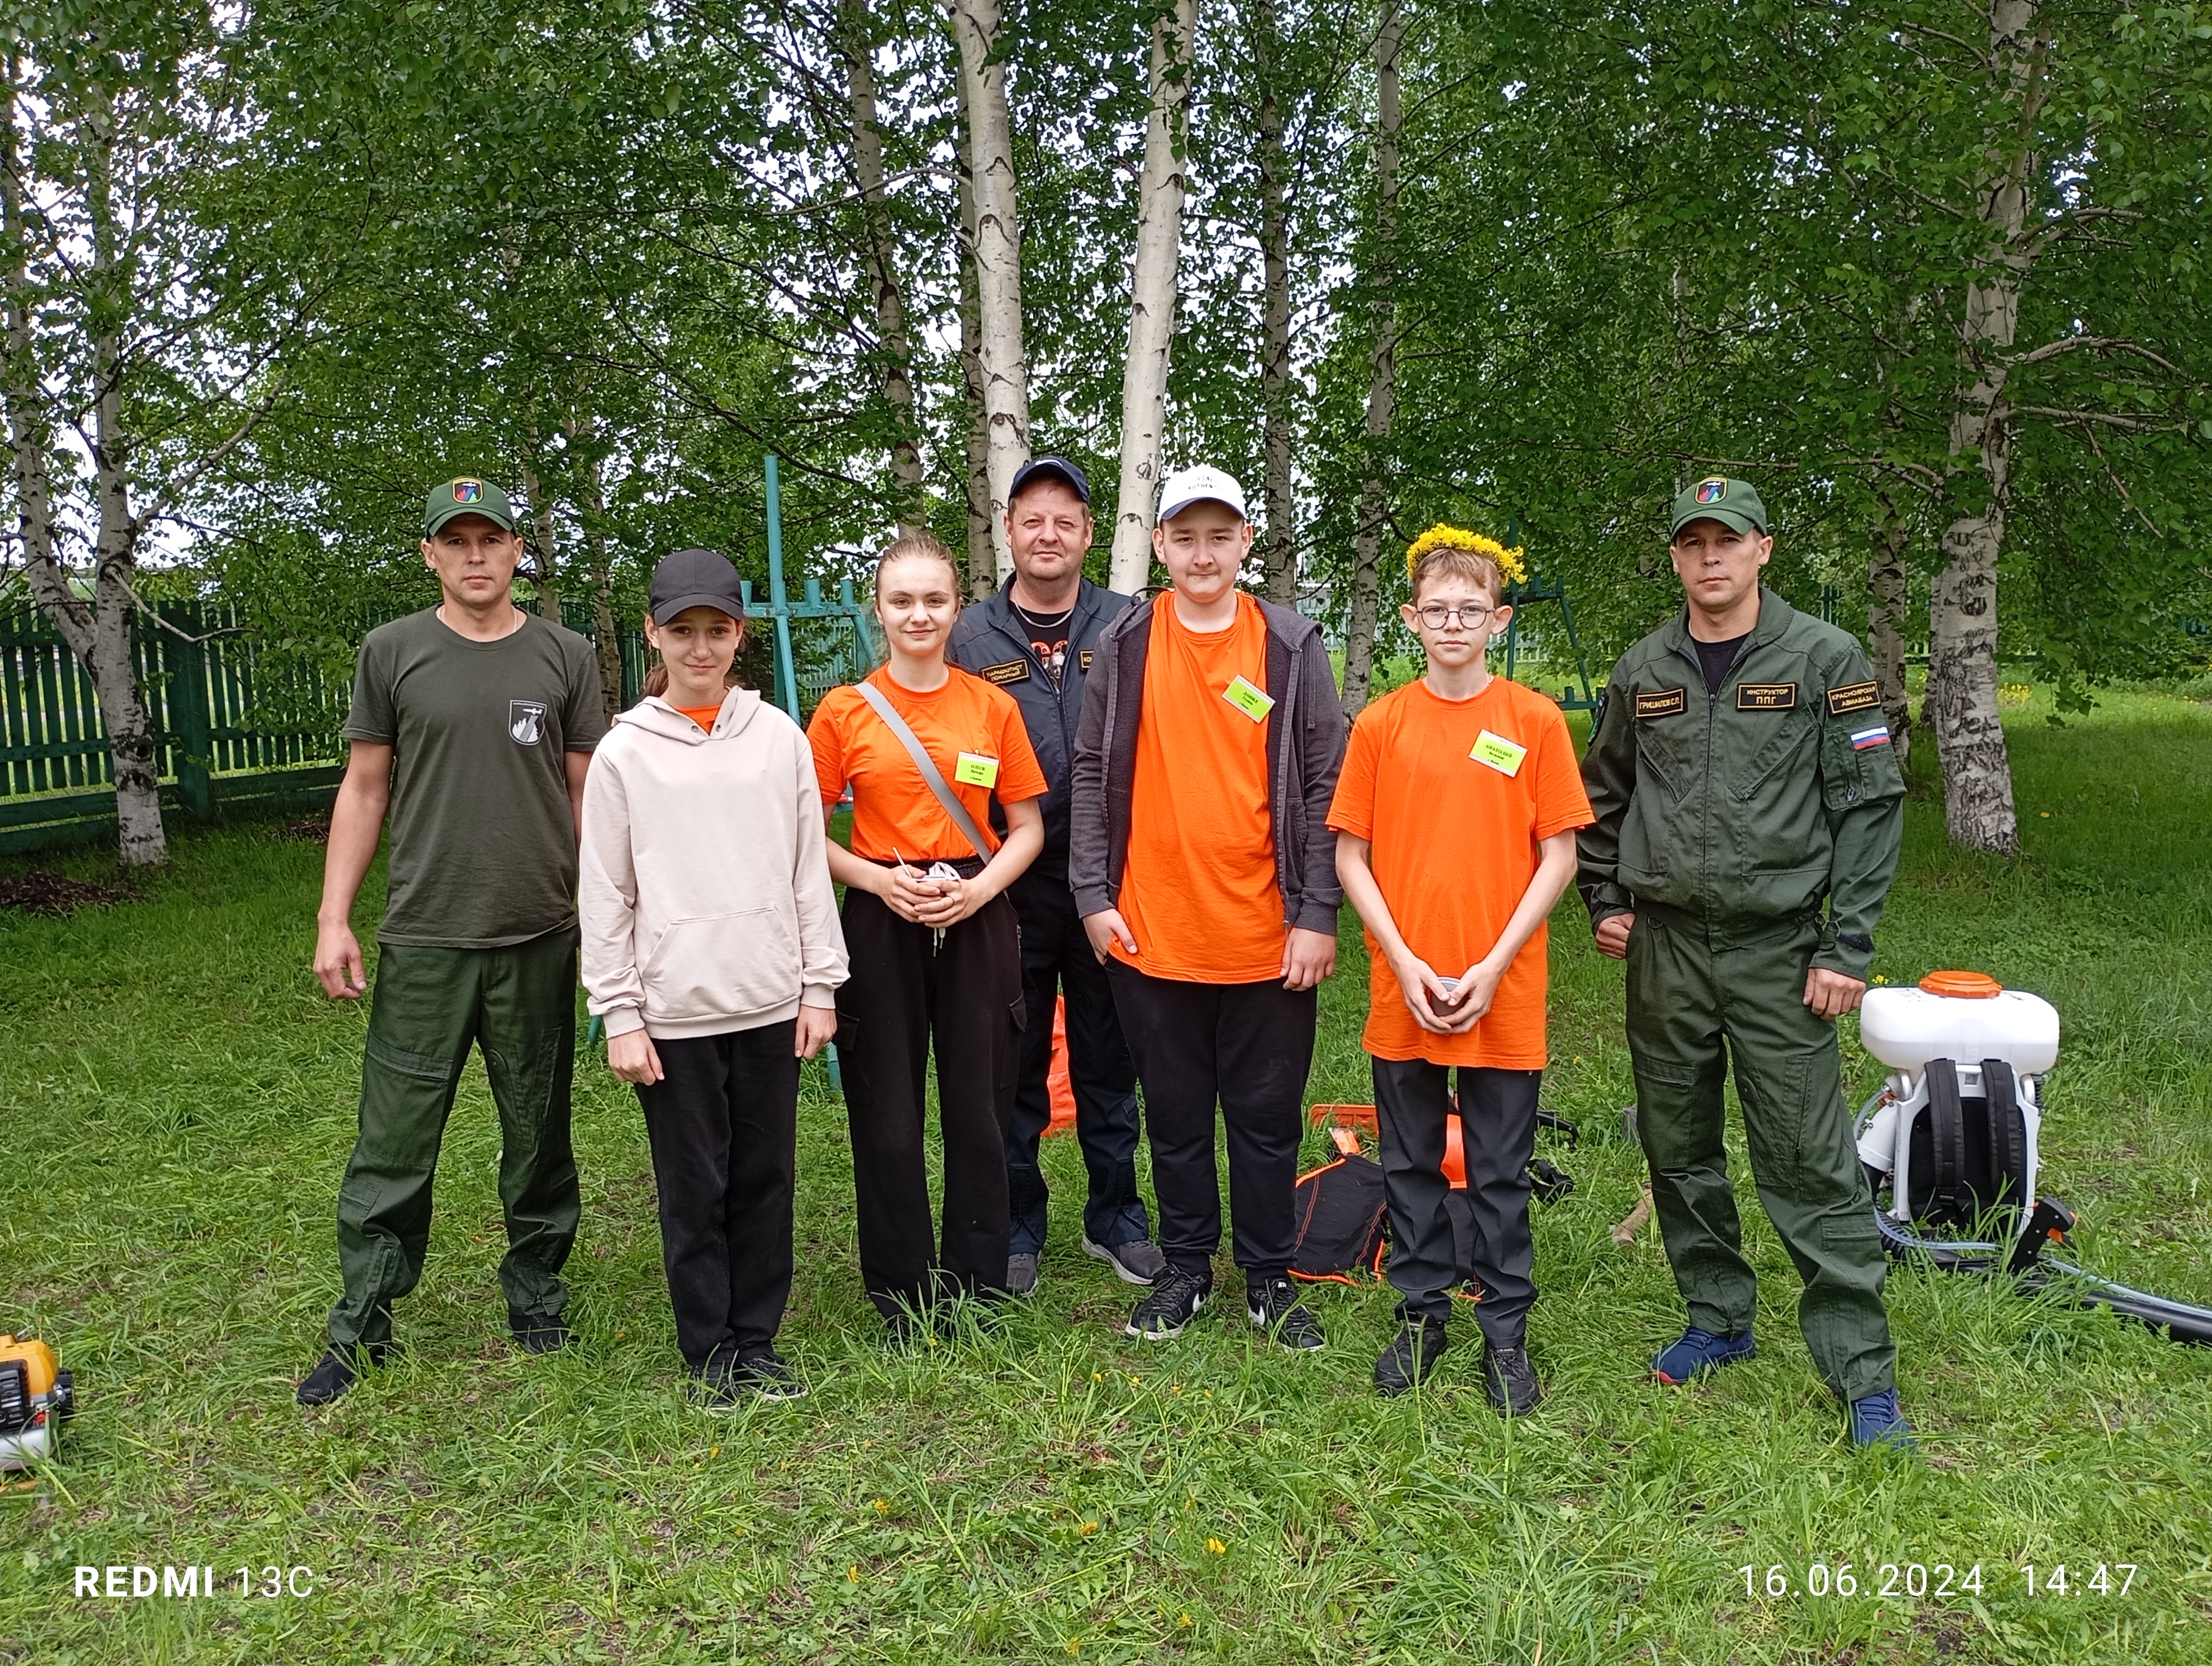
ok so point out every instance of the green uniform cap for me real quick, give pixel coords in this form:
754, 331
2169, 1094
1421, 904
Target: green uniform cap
466, 496
1732, 503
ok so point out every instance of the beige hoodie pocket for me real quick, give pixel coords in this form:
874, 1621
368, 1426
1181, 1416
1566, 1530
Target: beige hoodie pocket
723, 965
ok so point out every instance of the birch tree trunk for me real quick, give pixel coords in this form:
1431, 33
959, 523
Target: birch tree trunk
544, 526
997, 255
1382, 377
1152, 296
1886, 612
604, 642
1280, 555
1962, 640
893, 348
123, 702
976, 481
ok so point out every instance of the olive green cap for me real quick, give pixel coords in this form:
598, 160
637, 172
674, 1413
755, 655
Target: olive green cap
1734, 503
466, 496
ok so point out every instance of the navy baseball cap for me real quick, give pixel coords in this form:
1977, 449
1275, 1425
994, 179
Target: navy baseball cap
1050, 467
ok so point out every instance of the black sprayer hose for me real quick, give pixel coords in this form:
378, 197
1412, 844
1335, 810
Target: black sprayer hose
2182, 1321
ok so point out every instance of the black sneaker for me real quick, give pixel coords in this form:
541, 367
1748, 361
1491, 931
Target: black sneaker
1411, 1359
763, 1373
710, 1392
1137, 1261
539, 1332
1510, 1380
1275, 1308
1171, 1305
336, 1371
1021, 1274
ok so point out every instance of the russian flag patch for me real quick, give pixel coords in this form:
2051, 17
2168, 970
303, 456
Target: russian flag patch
1877, 736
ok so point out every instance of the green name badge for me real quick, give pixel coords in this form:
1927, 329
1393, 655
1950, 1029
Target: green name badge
1499, 753
973, 769
1247, 697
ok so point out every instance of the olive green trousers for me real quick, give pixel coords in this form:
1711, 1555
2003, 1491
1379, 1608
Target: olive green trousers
1698, 998
430, 1005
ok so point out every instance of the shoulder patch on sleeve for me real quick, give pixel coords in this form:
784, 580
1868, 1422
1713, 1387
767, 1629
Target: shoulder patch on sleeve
1006, 671
1853, 697
1661, 702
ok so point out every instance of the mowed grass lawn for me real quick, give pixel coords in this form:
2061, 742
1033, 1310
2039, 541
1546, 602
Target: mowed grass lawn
177, 1101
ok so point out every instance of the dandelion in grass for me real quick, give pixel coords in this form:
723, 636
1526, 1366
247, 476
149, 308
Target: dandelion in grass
882, 1508
1086, 1528
1217, 1548
852, 1573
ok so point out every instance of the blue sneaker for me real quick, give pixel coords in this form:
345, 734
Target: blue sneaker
1697, 1351
1877, 1421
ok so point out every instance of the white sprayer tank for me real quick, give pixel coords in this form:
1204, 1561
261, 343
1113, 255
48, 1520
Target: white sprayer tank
1963, 1017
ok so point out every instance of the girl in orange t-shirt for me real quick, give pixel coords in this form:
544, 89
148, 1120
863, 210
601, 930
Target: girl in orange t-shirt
1455, 815
936, 956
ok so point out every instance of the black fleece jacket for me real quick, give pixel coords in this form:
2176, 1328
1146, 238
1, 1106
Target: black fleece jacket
1306, 733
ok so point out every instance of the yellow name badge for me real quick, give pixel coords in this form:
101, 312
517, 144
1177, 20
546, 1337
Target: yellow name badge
1499, 753
973, 769
1247, 697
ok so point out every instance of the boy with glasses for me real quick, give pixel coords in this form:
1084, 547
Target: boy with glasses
1455, 817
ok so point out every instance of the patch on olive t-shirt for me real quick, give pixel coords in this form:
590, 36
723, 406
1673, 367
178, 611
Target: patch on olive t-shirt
483, 841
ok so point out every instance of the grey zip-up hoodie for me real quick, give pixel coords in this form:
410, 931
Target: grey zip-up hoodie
1306, 731
705, 896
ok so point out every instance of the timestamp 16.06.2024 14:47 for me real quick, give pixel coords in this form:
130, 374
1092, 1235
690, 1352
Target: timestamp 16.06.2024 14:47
1915, 1581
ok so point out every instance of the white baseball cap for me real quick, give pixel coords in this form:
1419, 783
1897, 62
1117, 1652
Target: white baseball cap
1200, 485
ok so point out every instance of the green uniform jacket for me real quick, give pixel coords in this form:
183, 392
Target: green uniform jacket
1735, 812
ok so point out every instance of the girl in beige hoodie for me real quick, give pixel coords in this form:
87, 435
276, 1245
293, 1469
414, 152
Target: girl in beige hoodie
712, 948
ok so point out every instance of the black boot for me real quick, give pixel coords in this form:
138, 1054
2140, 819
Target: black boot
337, 1370
1509, 1379
1411, 1359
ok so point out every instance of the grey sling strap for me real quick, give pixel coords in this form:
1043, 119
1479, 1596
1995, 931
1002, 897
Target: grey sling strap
929, 774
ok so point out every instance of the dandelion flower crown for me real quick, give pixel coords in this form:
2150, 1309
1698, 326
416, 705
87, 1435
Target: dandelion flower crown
1445, 536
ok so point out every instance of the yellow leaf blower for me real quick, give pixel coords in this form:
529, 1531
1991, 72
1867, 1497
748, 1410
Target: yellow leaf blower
35, 1395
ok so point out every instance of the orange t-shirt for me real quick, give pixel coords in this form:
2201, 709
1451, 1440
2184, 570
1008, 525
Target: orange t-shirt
1199, 888
704, 716
894, 813
1454, 843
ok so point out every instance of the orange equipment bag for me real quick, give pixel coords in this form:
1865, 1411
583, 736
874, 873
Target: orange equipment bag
1056, 1081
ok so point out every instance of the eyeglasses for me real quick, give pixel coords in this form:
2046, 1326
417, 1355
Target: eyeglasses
1437, 615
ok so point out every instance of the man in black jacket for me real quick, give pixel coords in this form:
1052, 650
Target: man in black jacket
1200, 854
1034, 637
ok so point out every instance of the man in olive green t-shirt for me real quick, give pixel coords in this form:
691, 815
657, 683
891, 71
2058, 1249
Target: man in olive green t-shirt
472, 724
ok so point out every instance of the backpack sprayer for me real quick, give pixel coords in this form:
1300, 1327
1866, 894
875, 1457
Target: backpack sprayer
34, 1396
1951, 1143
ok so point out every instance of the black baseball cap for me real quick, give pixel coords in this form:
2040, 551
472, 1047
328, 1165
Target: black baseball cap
695, 578
1059, 466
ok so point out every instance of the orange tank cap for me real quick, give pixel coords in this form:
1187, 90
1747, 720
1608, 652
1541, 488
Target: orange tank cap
1962, 986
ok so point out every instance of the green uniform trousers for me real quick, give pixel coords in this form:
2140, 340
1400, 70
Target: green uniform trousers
519, 1004
1691, 988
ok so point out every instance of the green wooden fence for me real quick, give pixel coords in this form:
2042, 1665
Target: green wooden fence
237, 729
242, 728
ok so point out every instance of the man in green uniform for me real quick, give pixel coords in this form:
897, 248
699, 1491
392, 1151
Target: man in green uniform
1742, 776
472, 723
